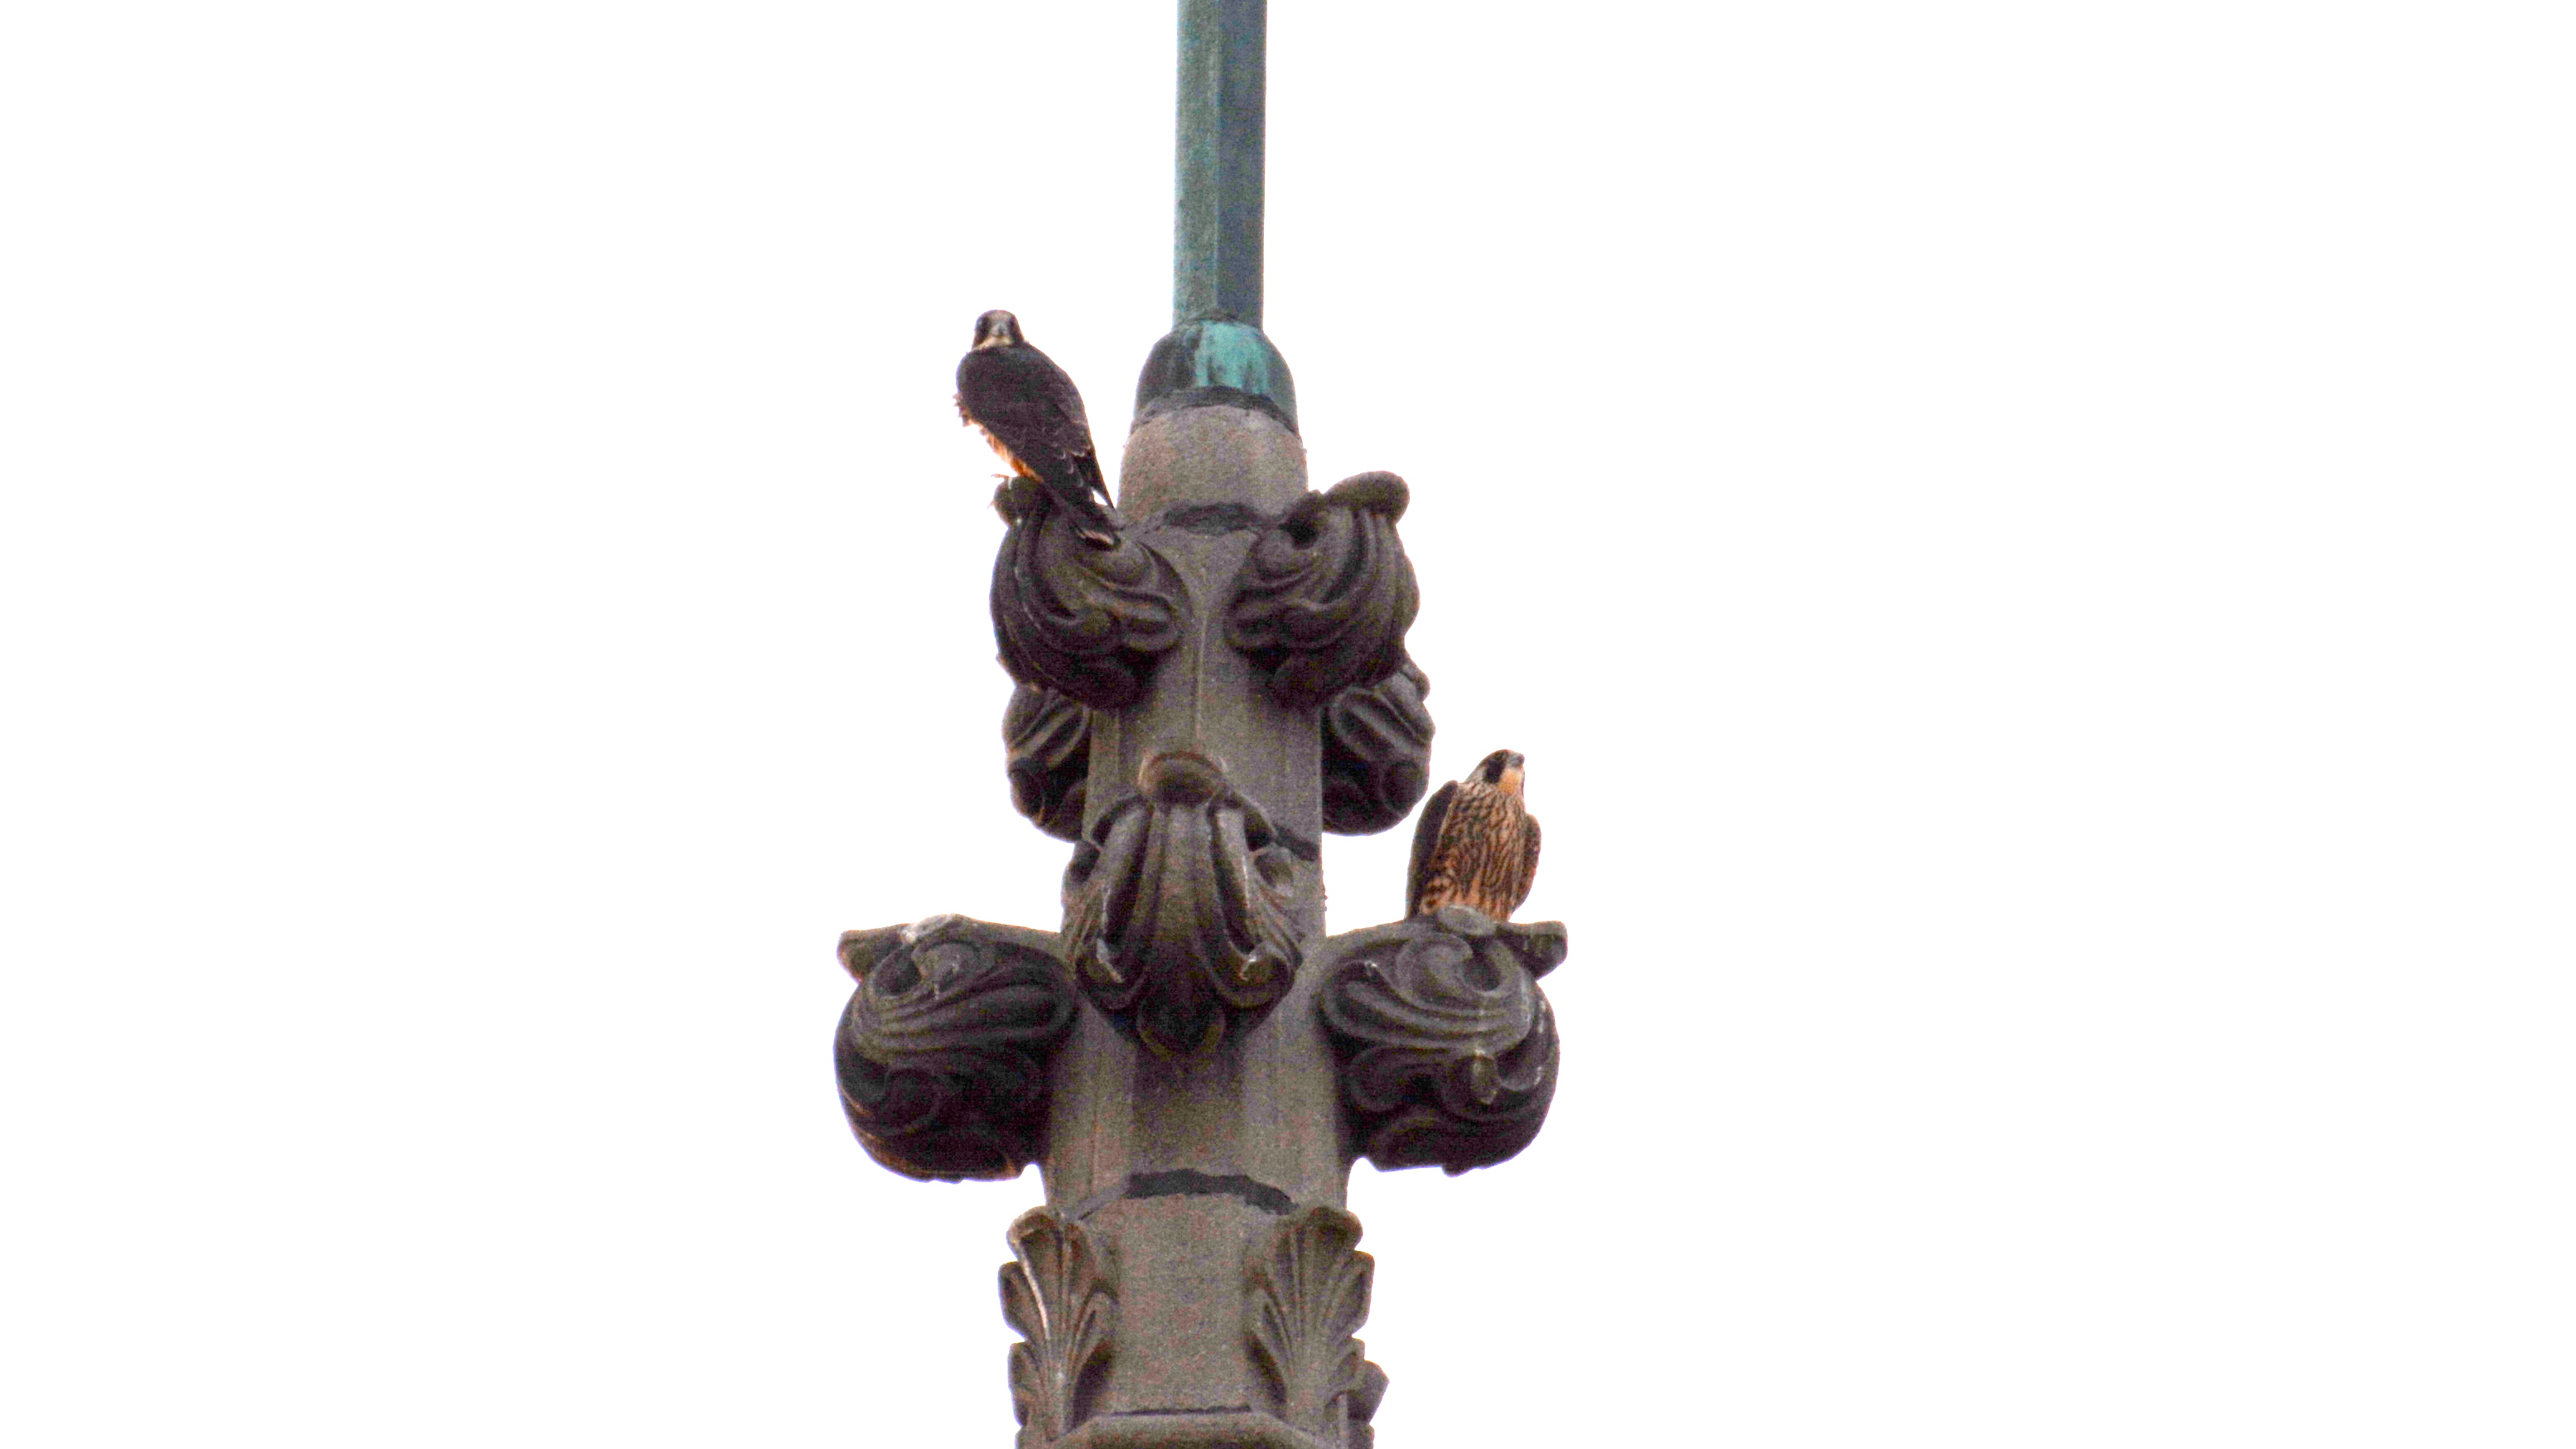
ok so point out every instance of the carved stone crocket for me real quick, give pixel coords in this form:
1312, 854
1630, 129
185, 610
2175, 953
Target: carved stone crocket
1477, 845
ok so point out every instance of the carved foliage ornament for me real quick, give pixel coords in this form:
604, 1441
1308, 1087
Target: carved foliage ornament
1176, 907
1326, 594
1376, 755
1056, 1292
1447, 1046
1308, 1293
1047, 740
942, 1053
1080, 620
1377, 752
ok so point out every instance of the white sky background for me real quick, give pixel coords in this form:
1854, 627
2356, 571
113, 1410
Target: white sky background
2028, 547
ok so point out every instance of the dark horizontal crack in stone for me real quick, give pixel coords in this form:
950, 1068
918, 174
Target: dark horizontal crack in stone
1190, 1182
1213, 518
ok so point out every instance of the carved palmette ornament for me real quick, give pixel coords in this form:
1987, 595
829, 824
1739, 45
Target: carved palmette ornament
1307, 1294
1056, 1292
1377, 752
942, 1052
1326, 593
1447, 1047
1176, 907
1085, 622
1047, 739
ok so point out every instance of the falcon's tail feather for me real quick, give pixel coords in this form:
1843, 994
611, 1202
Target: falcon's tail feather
1095, 521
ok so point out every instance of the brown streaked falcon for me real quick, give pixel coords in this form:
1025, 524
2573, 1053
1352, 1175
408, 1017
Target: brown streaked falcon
1032, 415
1477, 845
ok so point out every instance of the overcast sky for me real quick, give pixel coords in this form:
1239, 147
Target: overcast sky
2027, 546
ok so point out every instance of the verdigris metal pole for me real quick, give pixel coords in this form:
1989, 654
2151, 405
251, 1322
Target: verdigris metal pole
1216, 351
1216, 233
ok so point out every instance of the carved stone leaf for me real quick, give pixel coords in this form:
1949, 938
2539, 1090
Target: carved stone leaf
1056, 1292
1176, 907
1447, 1046
1377, 752
1308, 1293
1085, 622
1326, 594
1048, 741
942, 1052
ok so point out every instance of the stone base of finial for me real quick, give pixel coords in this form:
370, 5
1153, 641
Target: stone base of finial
1211, 457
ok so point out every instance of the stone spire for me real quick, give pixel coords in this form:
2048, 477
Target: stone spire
1191, 1061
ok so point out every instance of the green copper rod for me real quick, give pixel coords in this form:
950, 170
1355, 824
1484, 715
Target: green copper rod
1216, 232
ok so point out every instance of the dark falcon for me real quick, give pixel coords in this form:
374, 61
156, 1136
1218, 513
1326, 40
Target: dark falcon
1032, 415
1477, 845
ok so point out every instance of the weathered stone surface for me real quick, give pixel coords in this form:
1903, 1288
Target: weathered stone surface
1176, 907
942, 1051
1327, 594
1057, 1292
1211, 455
1447, 1046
